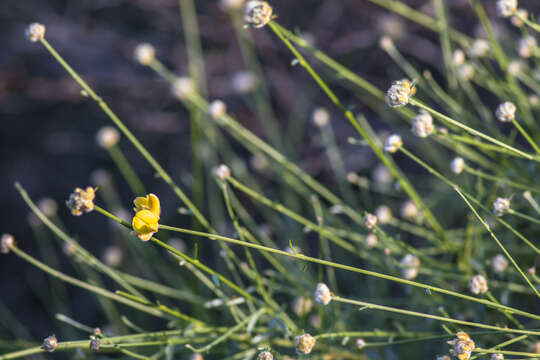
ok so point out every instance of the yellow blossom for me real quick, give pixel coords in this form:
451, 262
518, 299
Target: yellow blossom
81, 201
147, 212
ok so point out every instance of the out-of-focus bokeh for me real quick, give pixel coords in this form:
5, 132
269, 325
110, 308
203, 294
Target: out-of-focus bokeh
47, 137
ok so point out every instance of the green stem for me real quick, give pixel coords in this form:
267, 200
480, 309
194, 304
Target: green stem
376, 148
127, 171
128, 134
433, 317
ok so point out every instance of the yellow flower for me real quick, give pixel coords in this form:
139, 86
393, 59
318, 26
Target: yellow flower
81, 201
147, 212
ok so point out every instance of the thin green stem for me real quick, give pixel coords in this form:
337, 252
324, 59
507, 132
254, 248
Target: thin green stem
433, 317
375, 147
526, 136
451, 121
488, 228
128, 134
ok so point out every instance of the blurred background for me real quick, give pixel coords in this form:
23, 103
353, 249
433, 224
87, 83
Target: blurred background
47, 141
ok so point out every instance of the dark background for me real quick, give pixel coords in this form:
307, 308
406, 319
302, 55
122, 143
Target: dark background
48, 129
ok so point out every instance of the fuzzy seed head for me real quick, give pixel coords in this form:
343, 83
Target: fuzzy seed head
321, 116
526, 46
371, 241
81, 201
257, 13
322, 294
478, 285
35, 32
497, 356
183, 87
302, 305
422, 125
7, 242
479, 48
499, 263
506, 8
265, 355
383, 214
409, 266
462, 346
50, 343
304, 343
520, 14
409, 210
393, 143
107, 137
370, 221
400, 92
506, 112
217, 109
457, 165
222, 172
144, 54
501, 206
360, 343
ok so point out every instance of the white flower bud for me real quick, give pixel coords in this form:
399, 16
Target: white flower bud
371, 241
217, 109
322, 294
422, 124
144, 54
478, 285
400, 92
381, 175
465, 72
304, 343
479, 48
457, 165
183, 87
409, 210
302, 305
243, 82
526, 46
383, 214
520, 14
222, 172
386, 43
320, 117
257, 13
370, 221
265, 355
497, 356
107, 137
506, 8
360, 343
458, 57
506, 112
515, 67
409, 266
393, 143
7, 242
501, 206
499, 263
35, 32
50, 343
